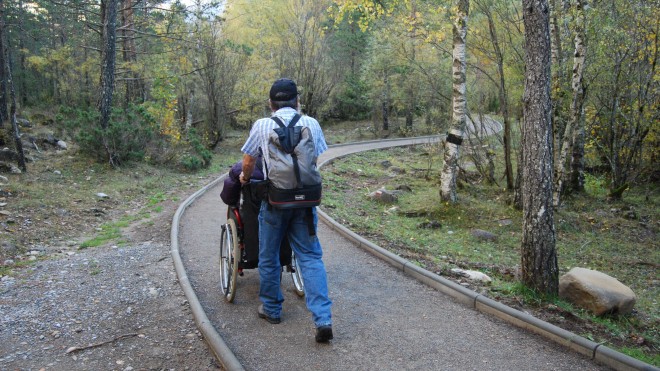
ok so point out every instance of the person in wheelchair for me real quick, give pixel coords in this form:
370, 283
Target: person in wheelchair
244, 206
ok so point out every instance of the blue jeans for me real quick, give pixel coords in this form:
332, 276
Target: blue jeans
274, 224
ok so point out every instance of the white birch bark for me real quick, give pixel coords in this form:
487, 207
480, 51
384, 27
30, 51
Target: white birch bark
459, 104
575, 117
189, 110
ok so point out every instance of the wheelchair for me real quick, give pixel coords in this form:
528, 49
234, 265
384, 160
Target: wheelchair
239, 245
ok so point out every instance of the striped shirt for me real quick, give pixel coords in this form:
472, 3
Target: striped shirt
262, 128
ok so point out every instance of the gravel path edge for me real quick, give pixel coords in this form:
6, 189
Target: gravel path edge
218, 346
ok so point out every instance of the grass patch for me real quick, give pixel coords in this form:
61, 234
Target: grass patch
94, 268
617, 238
108, 233
8, 270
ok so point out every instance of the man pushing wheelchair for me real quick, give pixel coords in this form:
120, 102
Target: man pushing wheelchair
289, 144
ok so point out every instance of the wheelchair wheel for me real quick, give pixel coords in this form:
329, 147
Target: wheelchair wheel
299, 286
230, 254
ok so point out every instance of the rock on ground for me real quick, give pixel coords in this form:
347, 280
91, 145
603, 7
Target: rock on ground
596, 291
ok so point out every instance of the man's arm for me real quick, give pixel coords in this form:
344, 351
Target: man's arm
248, 168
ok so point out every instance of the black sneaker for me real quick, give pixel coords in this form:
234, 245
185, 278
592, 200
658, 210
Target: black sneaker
323, 334
262, 314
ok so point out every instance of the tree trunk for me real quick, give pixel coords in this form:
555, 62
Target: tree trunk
386, 102
575, 122
4, 114
129, 53
108, 58
517, 190
557, 54
538, 251
504, 100
189, 110
576, 180
14, 123
410, 112
459, 105
22, 85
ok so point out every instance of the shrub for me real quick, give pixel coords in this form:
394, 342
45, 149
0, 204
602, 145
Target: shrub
128, 134
351, 101
201, 158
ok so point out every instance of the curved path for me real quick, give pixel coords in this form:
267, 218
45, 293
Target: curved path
383, 318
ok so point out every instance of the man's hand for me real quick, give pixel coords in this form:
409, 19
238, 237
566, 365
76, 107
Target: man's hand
248, 168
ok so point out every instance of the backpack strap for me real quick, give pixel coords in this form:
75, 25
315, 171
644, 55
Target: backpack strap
291, 124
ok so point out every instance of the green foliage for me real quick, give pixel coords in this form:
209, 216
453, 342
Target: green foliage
351, 102
595, 185
5, 136
128, 136
200, 158
6, 270
157, 198
652, 358
622, 109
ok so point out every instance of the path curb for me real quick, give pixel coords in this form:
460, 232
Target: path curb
218, 346
594, 351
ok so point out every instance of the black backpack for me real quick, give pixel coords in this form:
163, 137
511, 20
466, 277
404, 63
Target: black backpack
294, 180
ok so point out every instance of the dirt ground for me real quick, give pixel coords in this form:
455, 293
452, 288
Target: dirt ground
103, 308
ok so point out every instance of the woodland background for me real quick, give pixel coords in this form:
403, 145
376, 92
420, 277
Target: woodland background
184, 74
130, 84
573, 82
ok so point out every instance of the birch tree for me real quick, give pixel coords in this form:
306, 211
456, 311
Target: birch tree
459, 104
574, 133
538, 251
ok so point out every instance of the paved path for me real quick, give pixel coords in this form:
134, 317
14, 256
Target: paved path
383, 319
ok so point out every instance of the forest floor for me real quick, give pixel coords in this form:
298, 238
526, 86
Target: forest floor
87, 280
86, 275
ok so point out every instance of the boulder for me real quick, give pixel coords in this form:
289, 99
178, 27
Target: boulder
8, 155
384, 196
472, 275
403, 188
482, 235
433, 224
24, 123
504, 222
50, 139
596, 292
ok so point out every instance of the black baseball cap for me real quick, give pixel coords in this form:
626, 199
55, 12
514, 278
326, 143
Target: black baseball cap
283, 90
